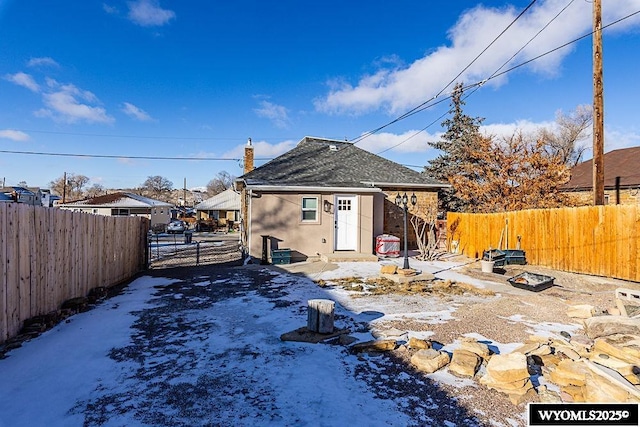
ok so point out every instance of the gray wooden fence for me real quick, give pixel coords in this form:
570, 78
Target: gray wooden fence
48, 256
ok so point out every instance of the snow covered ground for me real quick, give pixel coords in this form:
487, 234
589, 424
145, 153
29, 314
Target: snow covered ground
206, 350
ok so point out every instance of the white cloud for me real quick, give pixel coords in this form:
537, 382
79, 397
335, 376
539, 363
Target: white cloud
396, 88
411, 141
24, 80
276, 113
67, 103
135, 112
615, 139
500, 130
42, 62
148, 13
111, 10
14, 135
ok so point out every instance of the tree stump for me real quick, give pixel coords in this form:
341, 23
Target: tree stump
320, 315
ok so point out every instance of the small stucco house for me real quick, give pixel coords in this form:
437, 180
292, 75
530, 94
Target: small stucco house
223, 207
621, 178
123, 204
327, 197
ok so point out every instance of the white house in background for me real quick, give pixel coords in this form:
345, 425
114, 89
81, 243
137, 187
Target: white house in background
222, 207
123, 204
23, 195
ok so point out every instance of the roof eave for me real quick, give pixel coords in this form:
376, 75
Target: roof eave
315, 189
405, 185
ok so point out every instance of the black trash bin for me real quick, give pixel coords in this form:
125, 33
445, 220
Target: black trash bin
188, 236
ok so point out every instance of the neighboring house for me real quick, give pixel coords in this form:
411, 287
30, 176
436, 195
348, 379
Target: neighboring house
326, 196
48, 199
123, 204
23, 195
621, 178
222, 207
4, 198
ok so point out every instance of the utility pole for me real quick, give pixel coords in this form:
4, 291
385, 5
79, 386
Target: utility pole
598, 107
184, 193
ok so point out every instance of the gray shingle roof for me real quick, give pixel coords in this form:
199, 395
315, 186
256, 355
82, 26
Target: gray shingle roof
228, 200
316, 162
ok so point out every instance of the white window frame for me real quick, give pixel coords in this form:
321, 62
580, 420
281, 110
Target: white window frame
316, 209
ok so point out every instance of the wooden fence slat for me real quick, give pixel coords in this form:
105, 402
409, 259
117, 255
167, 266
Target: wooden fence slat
4, 325
600, 240
13, 271
49, 255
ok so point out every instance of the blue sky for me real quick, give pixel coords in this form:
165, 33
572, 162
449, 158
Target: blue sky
195, 79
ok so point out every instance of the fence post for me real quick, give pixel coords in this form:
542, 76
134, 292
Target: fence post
197, 253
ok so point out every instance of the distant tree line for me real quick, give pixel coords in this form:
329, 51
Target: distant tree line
74, 187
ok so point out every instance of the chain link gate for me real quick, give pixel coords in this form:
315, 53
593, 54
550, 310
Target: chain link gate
193, 249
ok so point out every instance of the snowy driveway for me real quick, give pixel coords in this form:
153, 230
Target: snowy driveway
205, 349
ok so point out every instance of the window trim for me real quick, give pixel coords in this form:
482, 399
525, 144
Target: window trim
316, 210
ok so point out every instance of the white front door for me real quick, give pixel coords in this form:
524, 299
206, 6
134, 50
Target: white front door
346, 209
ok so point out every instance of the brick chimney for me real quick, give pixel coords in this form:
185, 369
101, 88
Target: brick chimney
248, 157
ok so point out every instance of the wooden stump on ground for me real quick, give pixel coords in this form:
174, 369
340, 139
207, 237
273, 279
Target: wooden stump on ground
320, 315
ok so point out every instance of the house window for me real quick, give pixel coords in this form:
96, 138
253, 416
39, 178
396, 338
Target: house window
120, 212
309, 209
344, 204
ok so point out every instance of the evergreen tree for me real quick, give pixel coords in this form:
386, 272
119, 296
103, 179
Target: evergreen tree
462, 133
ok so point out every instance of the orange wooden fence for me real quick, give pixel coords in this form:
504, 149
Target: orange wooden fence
600, 240
48, 256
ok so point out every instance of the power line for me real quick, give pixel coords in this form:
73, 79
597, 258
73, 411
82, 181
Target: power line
420, 107
109, 156
478, 85
425, 105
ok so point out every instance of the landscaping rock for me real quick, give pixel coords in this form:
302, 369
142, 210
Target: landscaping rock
374, 346
464, 363
392, 333
508, 368
429, 360
388, 269
508, 373
527, 348
569, 352
543, 350
406, 272
602, 326
481, 349
568, 372
547, 396
621, 346
623, 368
417, 343
606, 385
572, 393
582, 341
582, 311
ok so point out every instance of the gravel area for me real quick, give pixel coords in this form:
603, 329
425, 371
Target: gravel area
507, 317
